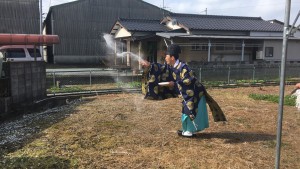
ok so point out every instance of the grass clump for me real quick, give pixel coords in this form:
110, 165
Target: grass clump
288, 100
129, 84
64, 89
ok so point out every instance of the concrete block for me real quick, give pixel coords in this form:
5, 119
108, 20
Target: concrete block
5, 105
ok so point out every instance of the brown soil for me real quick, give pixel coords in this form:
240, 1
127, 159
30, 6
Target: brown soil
126, 131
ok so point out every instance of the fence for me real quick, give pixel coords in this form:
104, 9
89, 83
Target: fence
90, 80
232, 75
95, 79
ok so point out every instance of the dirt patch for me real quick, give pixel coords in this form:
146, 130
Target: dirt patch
126, 131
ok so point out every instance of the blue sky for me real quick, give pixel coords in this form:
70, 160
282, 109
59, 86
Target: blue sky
267, 9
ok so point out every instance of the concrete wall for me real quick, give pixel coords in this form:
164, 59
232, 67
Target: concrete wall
293, 51
292, 54
27, 83
5, 106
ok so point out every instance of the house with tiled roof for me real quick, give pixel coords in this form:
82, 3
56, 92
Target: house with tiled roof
208, 38
135, 36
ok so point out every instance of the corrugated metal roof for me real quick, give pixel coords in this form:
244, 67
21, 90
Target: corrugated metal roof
145, 25
218, 22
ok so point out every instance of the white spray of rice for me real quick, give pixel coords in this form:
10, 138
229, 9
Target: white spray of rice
297, 94
110, 44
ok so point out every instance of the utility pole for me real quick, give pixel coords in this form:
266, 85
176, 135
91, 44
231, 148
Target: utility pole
41, 26
163, 7
204, 11
41, 17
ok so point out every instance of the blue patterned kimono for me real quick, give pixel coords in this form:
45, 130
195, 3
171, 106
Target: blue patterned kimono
155, 74
190, 88
193, 98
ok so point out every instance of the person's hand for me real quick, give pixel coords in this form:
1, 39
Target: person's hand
297, 86
144, 63
171, 84
192, 117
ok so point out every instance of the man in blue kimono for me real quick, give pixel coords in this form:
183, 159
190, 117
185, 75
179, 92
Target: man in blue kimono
153, 74
194, 95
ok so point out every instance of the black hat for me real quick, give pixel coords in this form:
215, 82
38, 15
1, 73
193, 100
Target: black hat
173, 50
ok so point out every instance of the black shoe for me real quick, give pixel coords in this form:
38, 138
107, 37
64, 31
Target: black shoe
179, 132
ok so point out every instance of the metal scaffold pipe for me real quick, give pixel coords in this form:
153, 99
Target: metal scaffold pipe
282, 82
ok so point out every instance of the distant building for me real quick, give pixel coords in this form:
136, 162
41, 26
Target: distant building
19, 16
296, 31
208, 38
81, 25
136, 36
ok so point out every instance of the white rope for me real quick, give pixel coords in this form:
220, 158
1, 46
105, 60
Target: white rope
195, 125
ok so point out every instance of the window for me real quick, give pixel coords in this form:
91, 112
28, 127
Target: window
220, 47
15, 53
238, 47
269, 52
31, 52
223, 46
228, 47
199, 47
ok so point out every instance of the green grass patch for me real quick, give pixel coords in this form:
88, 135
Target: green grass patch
272, 144
288, 100
213, 83
129, 84
232, 81
250, 81
64, 89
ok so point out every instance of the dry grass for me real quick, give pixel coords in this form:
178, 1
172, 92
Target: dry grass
125, 131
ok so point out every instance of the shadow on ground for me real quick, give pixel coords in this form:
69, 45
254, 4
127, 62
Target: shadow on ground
237, 137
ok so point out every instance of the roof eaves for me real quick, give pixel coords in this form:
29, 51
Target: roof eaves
61, 5
119, 26
213, 16
67, 3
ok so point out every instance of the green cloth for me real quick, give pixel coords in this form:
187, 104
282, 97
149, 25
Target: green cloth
201, 120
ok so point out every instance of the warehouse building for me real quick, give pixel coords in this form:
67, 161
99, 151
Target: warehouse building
19, 16
81, 25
